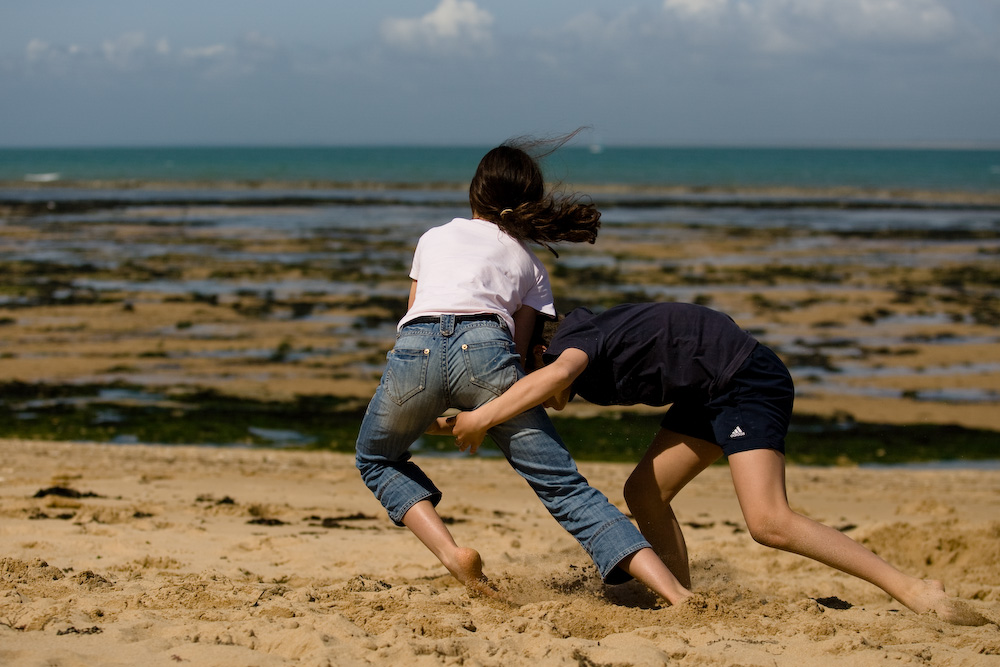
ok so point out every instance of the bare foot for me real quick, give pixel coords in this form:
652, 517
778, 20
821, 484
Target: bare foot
931, 598
466, 565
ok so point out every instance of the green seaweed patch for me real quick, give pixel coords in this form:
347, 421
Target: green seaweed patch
393, 308
774, 274
589, 275
127, 415
920, 234
622, 437
960, 277
15, 390
812, 440
208, 417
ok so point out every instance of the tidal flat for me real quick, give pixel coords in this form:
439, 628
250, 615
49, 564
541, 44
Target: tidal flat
265, 322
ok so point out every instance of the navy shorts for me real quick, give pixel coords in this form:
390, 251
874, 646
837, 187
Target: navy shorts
751, 412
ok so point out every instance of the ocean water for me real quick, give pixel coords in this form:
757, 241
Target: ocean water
435, 167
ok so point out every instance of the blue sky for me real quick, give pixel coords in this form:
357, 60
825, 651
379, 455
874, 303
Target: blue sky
662, 72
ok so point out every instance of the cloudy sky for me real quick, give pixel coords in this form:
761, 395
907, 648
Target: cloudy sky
663, 72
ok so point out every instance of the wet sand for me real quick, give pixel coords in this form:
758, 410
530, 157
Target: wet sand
882, 325
207, 556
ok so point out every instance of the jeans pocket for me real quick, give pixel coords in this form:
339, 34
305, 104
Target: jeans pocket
406, 373
491, 364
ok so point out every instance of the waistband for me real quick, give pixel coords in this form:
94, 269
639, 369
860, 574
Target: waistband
479, 317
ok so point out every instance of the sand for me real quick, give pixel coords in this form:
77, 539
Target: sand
211, 556
225, 556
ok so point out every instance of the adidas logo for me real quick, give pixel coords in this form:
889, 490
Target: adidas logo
737, 433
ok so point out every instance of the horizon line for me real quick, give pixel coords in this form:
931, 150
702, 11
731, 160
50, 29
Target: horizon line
851, 145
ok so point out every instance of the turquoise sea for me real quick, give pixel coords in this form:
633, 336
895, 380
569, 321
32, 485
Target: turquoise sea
416, 167
416, 187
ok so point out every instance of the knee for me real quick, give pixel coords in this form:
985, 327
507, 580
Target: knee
638, 491
769, 531
369, 467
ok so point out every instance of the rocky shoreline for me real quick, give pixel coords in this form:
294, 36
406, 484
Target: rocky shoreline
882, 321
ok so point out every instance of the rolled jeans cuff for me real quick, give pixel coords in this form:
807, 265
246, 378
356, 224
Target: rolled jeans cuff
399, 493
617, 540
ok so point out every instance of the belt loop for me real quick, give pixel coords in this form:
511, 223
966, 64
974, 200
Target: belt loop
447, 325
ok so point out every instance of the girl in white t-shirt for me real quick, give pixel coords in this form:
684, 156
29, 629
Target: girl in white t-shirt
477, 289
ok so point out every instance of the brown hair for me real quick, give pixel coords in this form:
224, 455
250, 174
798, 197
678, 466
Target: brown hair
508, 190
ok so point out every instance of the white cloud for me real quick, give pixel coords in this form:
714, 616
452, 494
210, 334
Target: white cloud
213, 51
41, 56
259, 42
913, 21
452, 24
127, 52
794, 26
699, 8
36, 50
133, 52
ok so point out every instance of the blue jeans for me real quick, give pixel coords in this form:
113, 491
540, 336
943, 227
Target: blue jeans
433, 367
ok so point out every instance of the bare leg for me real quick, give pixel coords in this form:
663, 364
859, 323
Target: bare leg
464, 564
647, 567
759, 478
671, 461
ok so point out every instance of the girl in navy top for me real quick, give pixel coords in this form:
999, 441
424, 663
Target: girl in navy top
729, 395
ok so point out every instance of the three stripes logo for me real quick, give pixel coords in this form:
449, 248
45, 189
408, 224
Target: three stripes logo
737, 433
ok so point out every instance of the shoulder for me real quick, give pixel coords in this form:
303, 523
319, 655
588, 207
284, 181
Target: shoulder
576, 331
456, 225
638, 315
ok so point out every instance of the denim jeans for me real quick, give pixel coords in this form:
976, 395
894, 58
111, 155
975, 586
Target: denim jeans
433, 367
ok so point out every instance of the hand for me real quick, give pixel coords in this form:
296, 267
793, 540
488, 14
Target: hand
441, 426
468, 434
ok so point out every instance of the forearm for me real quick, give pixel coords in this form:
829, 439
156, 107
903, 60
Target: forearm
413, 295
534, 389
524, 323
526, 393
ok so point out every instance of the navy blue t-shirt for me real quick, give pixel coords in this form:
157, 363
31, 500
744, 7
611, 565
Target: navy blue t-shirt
652, 353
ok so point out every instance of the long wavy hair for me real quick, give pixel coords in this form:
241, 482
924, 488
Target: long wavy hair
508, 190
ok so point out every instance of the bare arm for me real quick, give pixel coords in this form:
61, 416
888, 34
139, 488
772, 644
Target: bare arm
552, 381
524, 324
413, 295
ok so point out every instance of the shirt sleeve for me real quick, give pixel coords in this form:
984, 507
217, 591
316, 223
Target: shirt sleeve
577, 331
539, 295
415, 266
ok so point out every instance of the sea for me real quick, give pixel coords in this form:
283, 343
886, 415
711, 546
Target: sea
432, 167
815, 187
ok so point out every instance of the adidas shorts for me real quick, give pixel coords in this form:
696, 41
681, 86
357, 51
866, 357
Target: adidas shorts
752, 412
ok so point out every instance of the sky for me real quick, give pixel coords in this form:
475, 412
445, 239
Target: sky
474, 72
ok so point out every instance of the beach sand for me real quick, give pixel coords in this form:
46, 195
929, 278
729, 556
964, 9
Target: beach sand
143, 554
227, 556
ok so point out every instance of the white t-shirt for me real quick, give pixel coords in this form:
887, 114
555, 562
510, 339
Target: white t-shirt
467, 267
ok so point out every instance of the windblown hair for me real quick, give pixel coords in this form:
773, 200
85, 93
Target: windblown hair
508, 190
